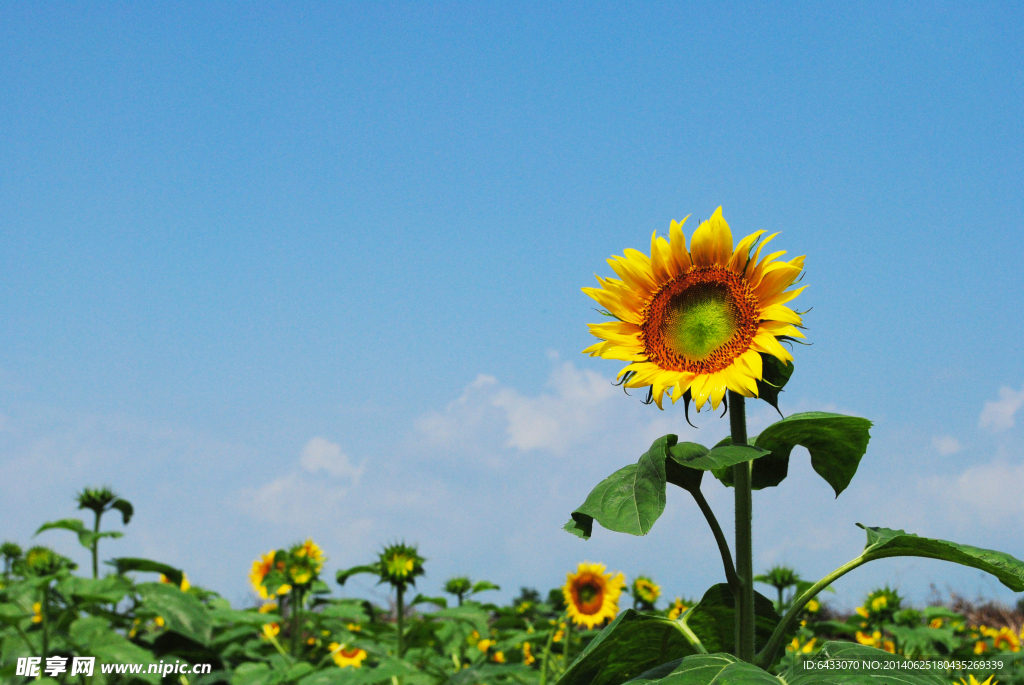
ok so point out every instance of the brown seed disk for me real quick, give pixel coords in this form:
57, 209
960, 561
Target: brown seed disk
741, 300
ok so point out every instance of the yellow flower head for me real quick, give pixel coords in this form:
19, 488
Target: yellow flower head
354, 627
347, 656
260, 568
270, 630
980, 647
528, 657
873, 640
645, 590
861, 611
678, 609
591, 595
879, 603
37, 612
498, 657
697, 320
268, 607
311, 551
484, 645
935, 623
284, 590
1006, 640
812, 606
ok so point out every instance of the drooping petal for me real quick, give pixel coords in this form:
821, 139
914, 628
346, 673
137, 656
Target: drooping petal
782, 298
614, 305
776, 280
765, 342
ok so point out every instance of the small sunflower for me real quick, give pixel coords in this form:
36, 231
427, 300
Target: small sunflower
37, 612
591, 595
677, 609
400, 564
645, 590
974, 681
347, 656
1006, 640
185, 585
260, 568
697, 320
528, 657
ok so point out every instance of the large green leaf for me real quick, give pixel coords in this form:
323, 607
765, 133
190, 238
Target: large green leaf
885, 542
707, 669
628, 646
182, 613
344, 574
86, 537
631, 499
713, 619
93, 636
836, 443
798, 674
725, 456
125, 564
109, 590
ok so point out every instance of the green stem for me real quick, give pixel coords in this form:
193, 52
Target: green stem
401, 617
96, 547
767, 655
44, 611
744, 537
296, 601
547, 652
723, 544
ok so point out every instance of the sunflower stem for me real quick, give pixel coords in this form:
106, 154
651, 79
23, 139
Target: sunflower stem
400, 609
744, 597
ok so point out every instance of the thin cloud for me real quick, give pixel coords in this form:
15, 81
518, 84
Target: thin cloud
999, 415
946, 445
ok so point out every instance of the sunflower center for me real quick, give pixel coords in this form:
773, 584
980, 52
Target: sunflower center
701, 321
589, 596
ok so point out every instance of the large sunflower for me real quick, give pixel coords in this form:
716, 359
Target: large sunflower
591, 595
697, 320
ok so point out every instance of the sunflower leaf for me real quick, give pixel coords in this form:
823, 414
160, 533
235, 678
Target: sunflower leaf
724, 456
345, 574
775, 374
766, 471
183, 613
885, 542
125, 564
836, 443
705, 669
628, 646
713, 619
631, 499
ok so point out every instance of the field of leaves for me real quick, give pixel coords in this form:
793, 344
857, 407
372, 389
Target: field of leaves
299, 630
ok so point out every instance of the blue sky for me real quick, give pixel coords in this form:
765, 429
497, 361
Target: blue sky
275, 271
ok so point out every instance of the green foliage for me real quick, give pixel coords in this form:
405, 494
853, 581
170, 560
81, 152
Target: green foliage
885, 542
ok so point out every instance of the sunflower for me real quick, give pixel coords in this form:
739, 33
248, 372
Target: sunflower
1006, 639
260, 568
697, 321
347, 656
591, 595
646, 590
311, 551
677, 609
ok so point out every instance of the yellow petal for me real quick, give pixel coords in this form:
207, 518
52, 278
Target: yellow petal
752, 360
738, 261
659, 266
712, 242
677, 241
699, 390
718, 383
783, 297
752, 264
776, 280
635, 274
778, 328
779, 312
614, 305
765, 342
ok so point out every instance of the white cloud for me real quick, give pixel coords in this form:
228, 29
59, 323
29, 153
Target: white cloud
558, 420
989, 492
998, 415
321, 454
946, 445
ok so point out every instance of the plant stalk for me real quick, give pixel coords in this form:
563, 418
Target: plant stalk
96, 546
744, 603
767, 655
401, 611
296, 602
44, 610
723, 544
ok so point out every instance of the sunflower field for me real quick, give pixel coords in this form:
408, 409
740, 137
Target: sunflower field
709, 324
